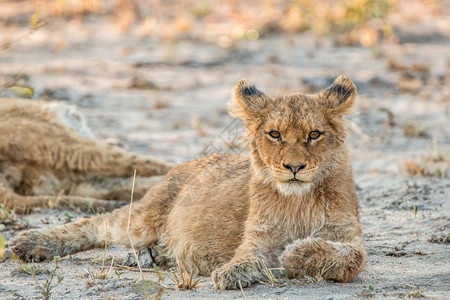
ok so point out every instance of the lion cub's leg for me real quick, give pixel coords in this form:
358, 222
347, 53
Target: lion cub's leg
107, 171
93, 158
24, 204
253, 258
124, 163
240, 272
88, 233
115, 188
147, 217
325, 259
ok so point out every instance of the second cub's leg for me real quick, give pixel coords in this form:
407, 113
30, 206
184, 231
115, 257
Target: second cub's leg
93, 158
25, 204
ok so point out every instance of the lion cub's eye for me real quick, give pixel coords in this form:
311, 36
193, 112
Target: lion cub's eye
313, 135
275, 134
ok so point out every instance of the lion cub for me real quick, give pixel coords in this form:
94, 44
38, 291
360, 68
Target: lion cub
48, 157
291, 204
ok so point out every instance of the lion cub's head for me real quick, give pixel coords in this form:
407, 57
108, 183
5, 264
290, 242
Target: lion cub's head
296, 140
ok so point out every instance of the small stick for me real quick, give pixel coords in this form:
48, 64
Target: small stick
133, 269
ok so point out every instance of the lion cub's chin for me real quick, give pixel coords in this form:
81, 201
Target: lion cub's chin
294, 188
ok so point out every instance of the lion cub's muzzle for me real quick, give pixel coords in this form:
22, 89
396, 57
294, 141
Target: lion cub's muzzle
294, 169
294, 173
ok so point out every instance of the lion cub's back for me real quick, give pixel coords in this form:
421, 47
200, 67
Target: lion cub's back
17, 112
34, 134
206, 224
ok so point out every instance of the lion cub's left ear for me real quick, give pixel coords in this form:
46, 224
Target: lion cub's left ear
339, 97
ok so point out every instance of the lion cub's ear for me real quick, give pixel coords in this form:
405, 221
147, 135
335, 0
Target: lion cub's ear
339, 97
248, 102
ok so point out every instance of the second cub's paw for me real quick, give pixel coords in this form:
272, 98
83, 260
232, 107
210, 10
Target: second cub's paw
31, 246
233, 277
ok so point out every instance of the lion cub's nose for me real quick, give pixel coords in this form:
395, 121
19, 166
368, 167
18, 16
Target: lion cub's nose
294, 169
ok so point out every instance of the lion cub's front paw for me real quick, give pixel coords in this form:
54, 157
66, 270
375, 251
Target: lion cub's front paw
304, 258
233, 277
30, 246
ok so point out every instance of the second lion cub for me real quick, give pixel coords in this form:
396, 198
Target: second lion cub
290, 204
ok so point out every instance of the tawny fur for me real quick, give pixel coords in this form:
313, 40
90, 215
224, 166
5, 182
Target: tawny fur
233, 216
48, 158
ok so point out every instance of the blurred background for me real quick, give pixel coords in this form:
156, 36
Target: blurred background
349, 22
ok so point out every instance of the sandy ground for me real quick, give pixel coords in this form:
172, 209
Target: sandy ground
169, 99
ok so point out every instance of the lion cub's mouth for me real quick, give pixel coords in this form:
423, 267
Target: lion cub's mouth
294, 180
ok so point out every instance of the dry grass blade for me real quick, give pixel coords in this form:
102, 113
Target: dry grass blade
270, 276
324, 270
128, 227
104, 274
242, 290
184, 279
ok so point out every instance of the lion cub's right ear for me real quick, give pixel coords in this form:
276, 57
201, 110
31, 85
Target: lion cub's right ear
248, 102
